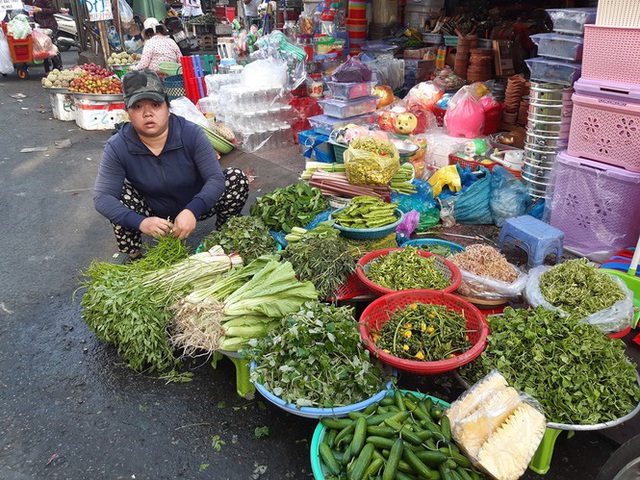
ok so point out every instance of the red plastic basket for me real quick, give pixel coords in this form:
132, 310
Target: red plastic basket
352, 288
452, 271
381, 310
472, 164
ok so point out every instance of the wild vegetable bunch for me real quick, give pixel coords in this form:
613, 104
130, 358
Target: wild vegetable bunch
247, 236
406, 269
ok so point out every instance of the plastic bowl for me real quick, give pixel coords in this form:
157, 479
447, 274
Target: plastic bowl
368, 233
317, 467
453, 247
381, 309
313, 412
449, 269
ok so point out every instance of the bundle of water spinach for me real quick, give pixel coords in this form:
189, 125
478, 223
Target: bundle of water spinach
404, 436
366, 212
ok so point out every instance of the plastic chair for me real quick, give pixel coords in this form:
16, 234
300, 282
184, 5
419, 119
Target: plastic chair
535, 237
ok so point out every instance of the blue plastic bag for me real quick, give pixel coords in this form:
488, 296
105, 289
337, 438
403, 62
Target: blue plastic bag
471, 205
421, 201
509, 196
321, 217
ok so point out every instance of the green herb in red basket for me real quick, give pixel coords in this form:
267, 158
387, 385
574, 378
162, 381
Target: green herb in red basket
406, 269
424, 332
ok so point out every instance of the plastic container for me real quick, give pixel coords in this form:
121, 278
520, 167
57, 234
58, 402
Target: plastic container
449, 269
571, 20
338, 150
349, 91
593, 204
556, 45
545, 70
606, 130
611, 55
349, 108
325, 124
369, 233
432, 38
381, 309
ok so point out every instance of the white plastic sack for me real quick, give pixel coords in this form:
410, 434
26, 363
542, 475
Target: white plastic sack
19, 27
616, 318
491, 289
185, 108
6, 63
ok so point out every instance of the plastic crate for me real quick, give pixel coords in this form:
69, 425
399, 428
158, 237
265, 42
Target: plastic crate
606, 130
349, 108
571, 20
350, 90
611, 54
545, 70
556, 45
595, 205
618, 13
338, 151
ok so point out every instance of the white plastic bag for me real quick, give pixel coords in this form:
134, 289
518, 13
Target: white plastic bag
185, 108
616, 318
126, 13
6, 63
491, 289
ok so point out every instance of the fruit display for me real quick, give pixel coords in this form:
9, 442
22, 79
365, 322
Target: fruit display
96, 85
96, 70
62, 79
123, 58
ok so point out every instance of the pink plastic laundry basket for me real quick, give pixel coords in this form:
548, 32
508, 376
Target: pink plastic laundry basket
596, 205
607, 130
611, 54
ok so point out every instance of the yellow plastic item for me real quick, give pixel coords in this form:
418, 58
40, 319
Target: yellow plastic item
445, 176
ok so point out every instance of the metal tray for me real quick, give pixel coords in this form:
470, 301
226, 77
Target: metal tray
98, 97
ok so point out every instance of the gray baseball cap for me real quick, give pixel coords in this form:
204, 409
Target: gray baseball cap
141, 85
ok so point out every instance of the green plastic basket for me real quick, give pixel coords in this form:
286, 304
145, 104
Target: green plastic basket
170, 68
450, 40
338, 151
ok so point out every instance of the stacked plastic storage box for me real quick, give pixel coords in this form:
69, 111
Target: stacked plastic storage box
553, 74
596, 194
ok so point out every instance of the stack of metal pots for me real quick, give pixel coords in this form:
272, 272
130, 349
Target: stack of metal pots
549, 119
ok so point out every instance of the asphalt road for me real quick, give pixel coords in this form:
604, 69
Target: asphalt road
68, 408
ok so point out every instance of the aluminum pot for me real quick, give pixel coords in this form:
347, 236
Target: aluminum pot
544, 92
548, 128
537, 174
535, 181
547, 163
552, 140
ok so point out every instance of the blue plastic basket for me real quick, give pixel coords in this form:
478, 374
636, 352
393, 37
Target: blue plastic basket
425, 242
369, 233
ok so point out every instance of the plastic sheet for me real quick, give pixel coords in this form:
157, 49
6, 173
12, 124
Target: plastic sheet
487, 288
43, 46
509, 196
183, 107
616, 318
386, 70
275, 45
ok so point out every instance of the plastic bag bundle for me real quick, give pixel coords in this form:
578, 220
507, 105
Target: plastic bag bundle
509, 196
616, 318
371, 161
471, 205
19, 27
43, 46
465, 114
352, 71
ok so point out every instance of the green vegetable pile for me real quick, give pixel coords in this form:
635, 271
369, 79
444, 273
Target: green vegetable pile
406, 269
366, 212
578, 374
359, 248
246, 236
578, 288
404, 436
325, 262
423, 332
293, 206
316, 359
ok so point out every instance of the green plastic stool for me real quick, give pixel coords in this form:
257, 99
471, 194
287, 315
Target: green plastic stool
541, 461
244, 387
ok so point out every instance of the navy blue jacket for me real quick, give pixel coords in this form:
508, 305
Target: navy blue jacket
186, 174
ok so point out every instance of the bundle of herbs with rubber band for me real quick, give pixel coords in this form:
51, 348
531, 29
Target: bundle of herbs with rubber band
404, 436
315, 358
247, 236
579, 375
325, 262
245, 304
293, 206
423, 332
406, 269
366, 212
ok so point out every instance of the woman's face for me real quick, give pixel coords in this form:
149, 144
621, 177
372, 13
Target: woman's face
149, 117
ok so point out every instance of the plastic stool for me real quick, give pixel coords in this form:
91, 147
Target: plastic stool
541, 461
534, 236
244, 387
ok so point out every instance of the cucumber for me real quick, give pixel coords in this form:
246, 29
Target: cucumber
445, 427
460, 459
359, 436
374, 467
377, 431
329, 460
386, 401
345, 431
399, 400
416, 464
432, 459
330, 438
362, 462
463, 474
380, 442
395, 455
336, 423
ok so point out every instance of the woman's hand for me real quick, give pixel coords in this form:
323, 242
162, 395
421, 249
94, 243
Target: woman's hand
184, 225
155, 226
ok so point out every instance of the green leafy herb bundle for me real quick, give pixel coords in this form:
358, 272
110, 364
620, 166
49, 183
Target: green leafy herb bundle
578, 288
121, 309
325, 262
423, 332
247, 236
578, 374
293, 206
316, 359
406, 269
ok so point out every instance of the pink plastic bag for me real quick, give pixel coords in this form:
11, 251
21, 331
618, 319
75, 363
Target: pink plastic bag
465, 115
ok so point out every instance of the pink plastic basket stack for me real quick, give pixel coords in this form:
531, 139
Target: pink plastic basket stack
596, 193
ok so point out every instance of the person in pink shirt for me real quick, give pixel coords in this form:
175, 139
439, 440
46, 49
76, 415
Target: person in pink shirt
158, 46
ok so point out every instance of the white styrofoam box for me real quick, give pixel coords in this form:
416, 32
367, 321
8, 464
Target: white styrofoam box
63, 106
99, 115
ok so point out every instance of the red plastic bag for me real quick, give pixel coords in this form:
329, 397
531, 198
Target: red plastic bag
304, 107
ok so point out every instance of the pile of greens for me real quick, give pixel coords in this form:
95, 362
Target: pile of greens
316, 359
578, 288
293, 206
247, 236
578, 375
325, 262
406, 269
